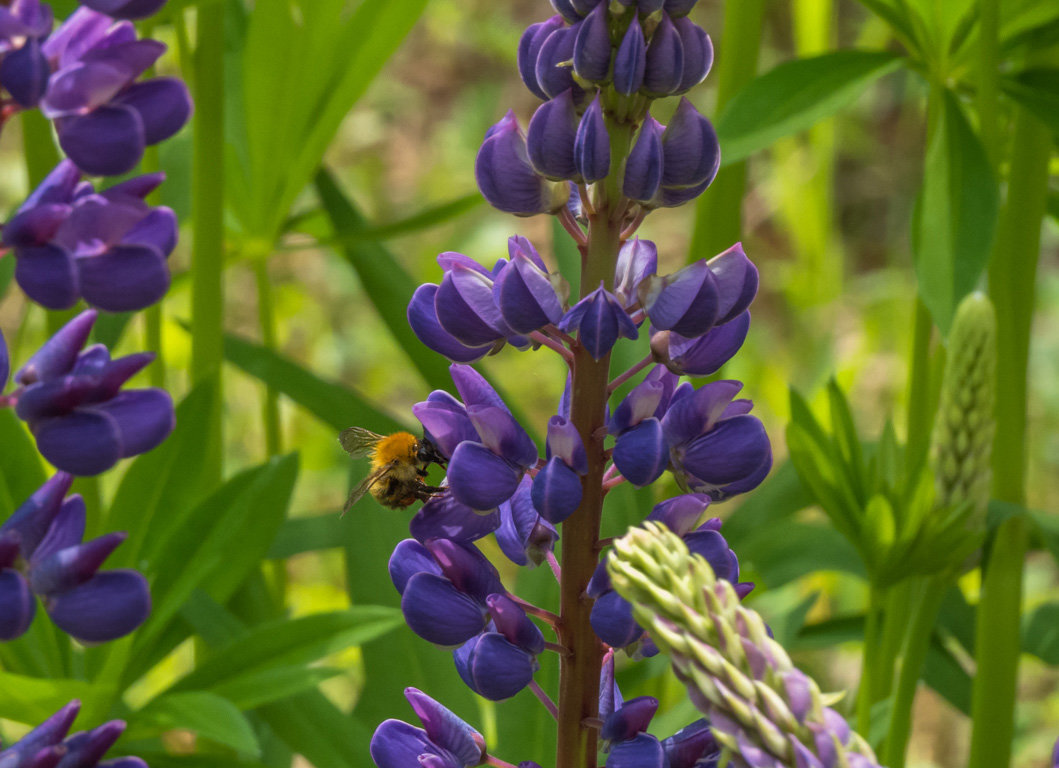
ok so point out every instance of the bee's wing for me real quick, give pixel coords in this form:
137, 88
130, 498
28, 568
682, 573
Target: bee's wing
365, 485
357, 441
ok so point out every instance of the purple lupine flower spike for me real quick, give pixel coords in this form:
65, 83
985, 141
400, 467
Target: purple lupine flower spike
592, 144
599, 319
125, 9
592, 46
664, 68
507, 179
72, 400
445, 740
529, 48
550, 137
630, 61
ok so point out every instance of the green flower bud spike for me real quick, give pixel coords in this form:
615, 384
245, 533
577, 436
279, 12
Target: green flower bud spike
962, 441
763, 711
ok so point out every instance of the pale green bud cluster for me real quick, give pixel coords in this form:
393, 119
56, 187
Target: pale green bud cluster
762, 709
962, 441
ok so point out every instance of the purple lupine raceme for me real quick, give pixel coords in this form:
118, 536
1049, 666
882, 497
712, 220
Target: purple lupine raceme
104, 117
109, 247
72, 399
42, 554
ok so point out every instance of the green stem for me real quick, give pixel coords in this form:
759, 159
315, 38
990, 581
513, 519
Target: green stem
866, 694
987, 78
718, 214
927, 602
266, 317
207, 254
1012, 281
895, 621
38, 147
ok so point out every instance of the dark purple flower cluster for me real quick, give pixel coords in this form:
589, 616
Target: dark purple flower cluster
596, 57
631, 746
42, 553
72, 400
612, 614
48, 745
109, 248
444, 741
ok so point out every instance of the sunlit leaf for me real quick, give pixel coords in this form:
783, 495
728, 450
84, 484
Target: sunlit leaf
211, 716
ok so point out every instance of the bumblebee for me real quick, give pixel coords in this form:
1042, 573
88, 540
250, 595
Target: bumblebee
398, 465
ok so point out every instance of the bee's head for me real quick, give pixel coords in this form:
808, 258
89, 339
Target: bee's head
427, 453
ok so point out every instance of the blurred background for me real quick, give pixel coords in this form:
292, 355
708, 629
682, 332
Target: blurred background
825, 215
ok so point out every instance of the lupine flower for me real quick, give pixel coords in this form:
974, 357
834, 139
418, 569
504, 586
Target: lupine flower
698, 53
529, 48
444, 741
524, 536
641, 452
612, 615
664, 66
592, 144
630, 746
500, 662
643, 169
72, 400
592, 46
703, 355
637, 259
552, 69
108, 247
47, 745
716, 447
762, 710
17, 606
678, 8
550, 137
693, 746
962, 441
443, 517
506, 177
104, 118
690, 149
630, 61
46, 534
24, 69
557, 486
599, 320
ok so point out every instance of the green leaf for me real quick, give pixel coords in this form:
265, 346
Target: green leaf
955, 215
291, 642
943, 673
211, 716
568, 257
31, 700
1040, 633
790, 550
308, 534
796, 95
21, 471
384, 283
333, 404
265, 686
315, 728
1038, 91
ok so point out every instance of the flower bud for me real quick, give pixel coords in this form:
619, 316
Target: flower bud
592, 144
529, 48
630, 61
599, 320
493, 667
686, 301
690, 149
643, 169
506, 178
556, 491
637, 259
592, 46
664, 67
698, 53
551, 135
553, 70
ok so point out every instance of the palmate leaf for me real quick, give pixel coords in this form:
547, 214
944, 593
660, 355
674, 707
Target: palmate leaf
304, 65
955, 214
796, 95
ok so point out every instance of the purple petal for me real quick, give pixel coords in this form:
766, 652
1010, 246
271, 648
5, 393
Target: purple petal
506, 178
524, 536
707, 353
492, 667
82, 443
680, 513
550, 137
676, 9
612, 620
466, 310
630, 61
48, 276
503, 435
445, 729
556, 491
665, 60
108, 141
599, 320
513, 623
591, 54
163, 103
5, 363
641, 403
686, 301
49, 733
644, 751
409, 558
689, 417
529, 48
467, 568
473, 387
444, 421
445, 518
637, 260
737, 281
712, 547
110, 605
632, 718
730, 452
642, 453
70, 567
698, 53
423, 318
144, 418
79, 89
126, 9
398, 745
554, 75
67, 529
691, 152
438, 612
124, 279
24, 73
690, 744
17, 605
565, 442
136, 187
526, 296
592, 144
36, 225
33, 518
609, 695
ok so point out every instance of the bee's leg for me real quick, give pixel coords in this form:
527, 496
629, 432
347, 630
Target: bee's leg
427, 492
421, 471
